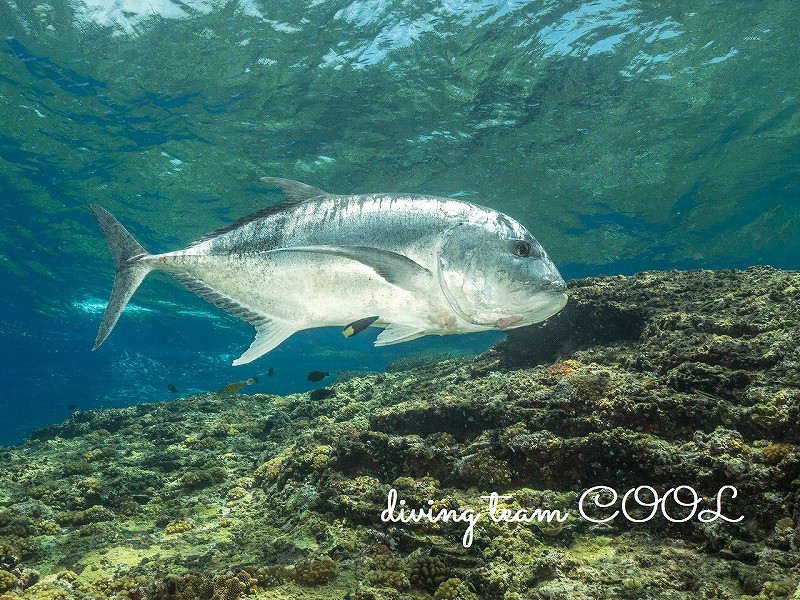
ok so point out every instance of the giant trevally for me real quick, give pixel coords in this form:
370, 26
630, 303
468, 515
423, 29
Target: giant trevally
425, 265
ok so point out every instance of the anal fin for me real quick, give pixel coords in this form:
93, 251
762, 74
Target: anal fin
395, 334
220, 300
270, 334
270, 330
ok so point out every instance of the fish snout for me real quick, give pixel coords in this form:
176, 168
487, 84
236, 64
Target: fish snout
557, 286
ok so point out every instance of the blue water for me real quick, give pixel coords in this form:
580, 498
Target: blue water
625, 135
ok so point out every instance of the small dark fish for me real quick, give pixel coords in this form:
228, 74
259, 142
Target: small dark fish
233, 388
321, 394
318, 375
172, 388
72, 406
9, 560
271, 372
358, 326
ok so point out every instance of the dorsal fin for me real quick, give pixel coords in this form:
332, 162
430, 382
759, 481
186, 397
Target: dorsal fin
295, 192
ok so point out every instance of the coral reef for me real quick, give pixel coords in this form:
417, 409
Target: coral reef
675, 383
454, 589
315, 571
194, 586
428, 572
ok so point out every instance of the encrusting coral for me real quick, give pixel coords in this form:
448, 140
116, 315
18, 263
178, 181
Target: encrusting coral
7, 580
453, 589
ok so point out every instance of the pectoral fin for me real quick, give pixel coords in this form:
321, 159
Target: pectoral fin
395, 334
395, 268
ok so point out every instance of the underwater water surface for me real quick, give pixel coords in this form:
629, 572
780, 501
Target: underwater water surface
625, 135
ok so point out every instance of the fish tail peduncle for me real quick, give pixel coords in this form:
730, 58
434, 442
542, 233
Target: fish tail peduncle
129, 269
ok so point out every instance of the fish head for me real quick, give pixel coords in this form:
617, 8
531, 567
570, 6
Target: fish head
496, 275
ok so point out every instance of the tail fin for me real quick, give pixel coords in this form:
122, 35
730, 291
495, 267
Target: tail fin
129, 269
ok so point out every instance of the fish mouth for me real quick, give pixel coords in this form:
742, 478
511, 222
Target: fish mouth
554, 299
543, 306
539, 307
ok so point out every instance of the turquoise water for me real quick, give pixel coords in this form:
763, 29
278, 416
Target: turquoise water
624, 135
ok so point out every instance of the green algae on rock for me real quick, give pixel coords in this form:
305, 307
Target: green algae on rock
659, 379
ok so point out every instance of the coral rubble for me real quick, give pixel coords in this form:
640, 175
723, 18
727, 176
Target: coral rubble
679, 386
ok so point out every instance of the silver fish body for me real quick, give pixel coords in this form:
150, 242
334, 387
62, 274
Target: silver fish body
425, 265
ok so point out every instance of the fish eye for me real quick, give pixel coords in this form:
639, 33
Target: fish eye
522, 248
